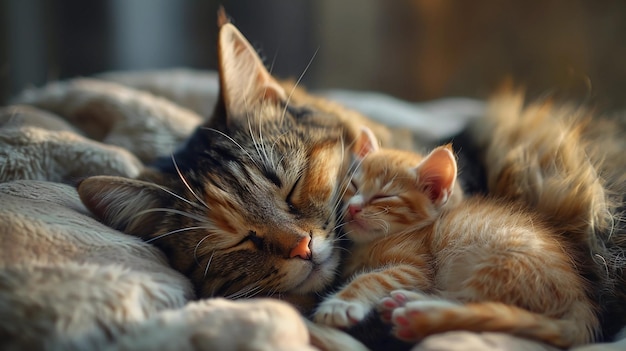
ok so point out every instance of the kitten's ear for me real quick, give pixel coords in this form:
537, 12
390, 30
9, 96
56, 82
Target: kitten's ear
244, 81
437, 174
119, 202
365, 143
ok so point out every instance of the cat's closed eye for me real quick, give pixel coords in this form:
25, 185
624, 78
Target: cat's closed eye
290, 195
252, 237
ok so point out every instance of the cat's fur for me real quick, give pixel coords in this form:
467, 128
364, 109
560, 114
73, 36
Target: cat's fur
478, 264
565, 161
248, 206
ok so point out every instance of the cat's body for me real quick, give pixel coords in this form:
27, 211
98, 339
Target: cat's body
248, 206
478, 264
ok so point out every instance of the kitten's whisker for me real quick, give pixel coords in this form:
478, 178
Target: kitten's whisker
174, 232
182, 178
383, 224
234, 142
382, 211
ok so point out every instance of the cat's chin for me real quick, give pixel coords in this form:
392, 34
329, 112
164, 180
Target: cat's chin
322, 273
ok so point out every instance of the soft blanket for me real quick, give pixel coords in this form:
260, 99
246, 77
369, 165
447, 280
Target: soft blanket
69, 282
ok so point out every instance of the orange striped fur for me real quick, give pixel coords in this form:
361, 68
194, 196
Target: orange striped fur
476, 263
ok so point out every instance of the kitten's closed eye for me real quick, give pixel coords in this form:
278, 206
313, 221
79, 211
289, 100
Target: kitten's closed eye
379, 197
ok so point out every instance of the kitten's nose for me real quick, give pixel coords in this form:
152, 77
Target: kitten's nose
354, 209
302, 250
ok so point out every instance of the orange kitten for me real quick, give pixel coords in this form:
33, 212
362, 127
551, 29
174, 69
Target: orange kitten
476, 264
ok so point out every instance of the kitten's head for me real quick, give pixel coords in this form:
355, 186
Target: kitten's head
395, 191
248, 205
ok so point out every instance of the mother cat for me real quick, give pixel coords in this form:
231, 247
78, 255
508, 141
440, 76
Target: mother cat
248, 206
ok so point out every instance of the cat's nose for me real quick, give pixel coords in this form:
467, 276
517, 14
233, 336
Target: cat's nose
302, 250
354, 209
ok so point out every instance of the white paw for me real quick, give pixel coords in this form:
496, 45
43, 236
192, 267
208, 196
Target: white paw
340, 313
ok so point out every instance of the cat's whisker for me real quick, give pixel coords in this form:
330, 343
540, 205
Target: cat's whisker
184, 180
293, 89
178, 196
245, 292
255, 143
267, 159
208, 264
234, 142
198, 218
345, 189
342, 194
338, 226
174, 232
195, 249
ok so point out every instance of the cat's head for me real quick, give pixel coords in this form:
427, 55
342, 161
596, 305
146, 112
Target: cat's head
248, 206
393, 191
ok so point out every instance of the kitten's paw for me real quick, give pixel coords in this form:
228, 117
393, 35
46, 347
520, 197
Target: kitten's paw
396, 299
341, 313
419, 318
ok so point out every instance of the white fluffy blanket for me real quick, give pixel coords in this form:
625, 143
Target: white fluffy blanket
68, 282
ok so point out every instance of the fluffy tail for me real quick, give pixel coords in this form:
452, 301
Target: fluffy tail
568, 164
420, 319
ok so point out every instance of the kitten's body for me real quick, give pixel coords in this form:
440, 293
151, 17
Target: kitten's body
247, 207
478, 264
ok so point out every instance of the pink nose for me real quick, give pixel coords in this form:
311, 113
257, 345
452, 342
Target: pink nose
302, 250
354, 209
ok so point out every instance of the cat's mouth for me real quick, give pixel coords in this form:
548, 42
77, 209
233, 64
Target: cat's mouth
322, 267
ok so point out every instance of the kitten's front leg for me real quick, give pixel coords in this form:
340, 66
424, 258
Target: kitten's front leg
395, 300
337, 312
360, 296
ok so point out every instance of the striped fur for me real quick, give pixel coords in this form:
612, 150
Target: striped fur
565, 161
479, 264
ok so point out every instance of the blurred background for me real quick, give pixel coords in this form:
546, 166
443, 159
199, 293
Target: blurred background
413, 49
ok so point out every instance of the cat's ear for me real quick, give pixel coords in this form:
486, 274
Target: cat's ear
121, 202
244, 81
437, 174
365, 143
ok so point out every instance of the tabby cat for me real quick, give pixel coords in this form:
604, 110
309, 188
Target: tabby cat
475, 263
248, 206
